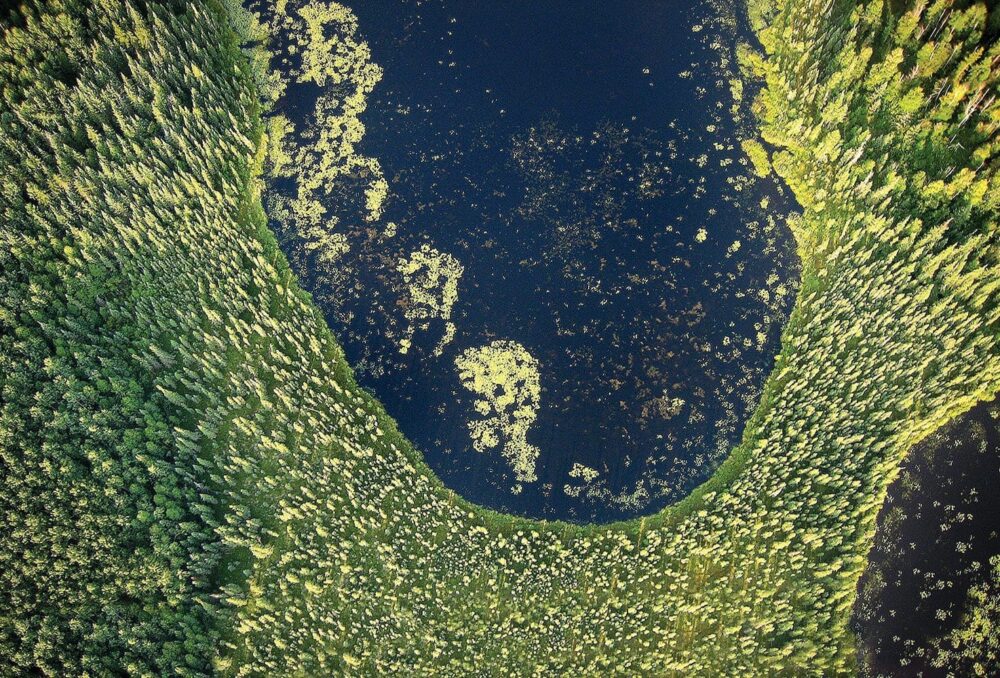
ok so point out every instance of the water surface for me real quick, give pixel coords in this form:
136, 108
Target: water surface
577, 286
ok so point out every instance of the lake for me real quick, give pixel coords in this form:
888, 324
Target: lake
575, 288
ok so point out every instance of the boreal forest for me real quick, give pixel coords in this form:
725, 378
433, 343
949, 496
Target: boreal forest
496, 338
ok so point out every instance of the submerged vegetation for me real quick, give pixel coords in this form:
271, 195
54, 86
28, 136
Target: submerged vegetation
193, 482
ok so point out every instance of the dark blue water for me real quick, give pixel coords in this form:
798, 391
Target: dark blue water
568, 155
936, 533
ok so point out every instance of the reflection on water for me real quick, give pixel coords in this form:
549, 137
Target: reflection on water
549, 254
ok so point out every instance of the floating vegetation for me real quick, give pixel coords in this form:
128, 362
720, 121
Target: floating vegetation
587, 474
505, 377
320, 49
431, 280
